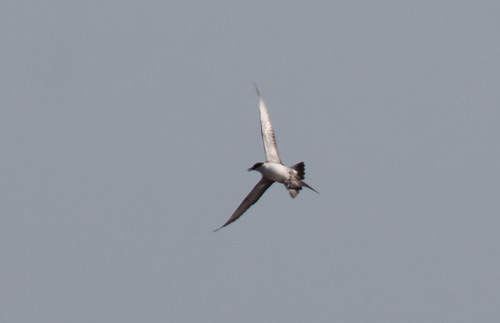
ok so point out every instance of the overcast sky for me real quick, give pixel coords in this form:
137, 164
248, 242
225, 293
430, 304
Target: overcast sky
127, 127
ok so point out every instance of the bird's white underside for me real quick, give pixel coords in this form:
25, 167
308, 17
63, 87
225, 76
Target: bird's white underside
275, 172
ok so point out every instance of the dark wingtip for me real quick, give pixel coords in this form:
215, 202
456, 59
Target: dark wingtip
222, 226
219, 228
256, 88
300, 168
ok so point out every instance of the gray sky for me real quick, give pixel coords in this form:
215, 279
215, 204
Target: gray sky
126, 129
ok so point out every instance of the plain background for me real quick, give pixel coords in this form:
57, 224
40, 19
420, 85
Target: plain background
126, 128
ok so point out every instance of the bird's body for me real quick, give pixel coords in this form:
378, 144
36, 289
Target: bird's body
276, 172
272, 170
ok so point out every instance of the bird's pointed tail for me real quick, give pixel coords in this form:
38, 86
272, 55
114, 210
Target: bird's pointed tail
307, 185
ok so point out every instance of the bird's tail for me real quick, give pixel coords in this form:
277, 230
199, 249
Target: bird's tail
294, 189
307, 185
301, 174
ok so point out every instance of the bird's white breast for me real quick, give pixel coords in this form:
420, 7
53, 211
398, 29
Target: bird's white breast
276, 172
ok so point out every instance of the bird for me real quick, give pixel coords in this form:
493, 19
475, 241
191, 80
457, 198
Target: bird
272, 170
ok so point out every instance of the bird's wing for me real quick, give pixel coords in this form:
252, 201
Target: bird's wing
251, 198
267, 133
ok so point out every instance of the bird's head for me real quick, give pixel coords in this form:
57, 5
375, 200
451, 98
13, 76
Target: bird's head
255, 166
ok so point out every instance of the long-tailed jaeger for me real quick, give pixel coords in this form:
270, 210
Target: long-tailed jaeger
272, 170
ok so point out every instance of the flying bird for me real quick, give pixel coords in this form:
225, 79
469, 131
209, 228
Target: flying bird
272, 170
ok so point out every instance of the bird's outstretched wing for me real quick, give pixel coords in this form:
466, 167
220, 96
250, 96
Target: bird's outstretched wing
251, 198
267, 133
